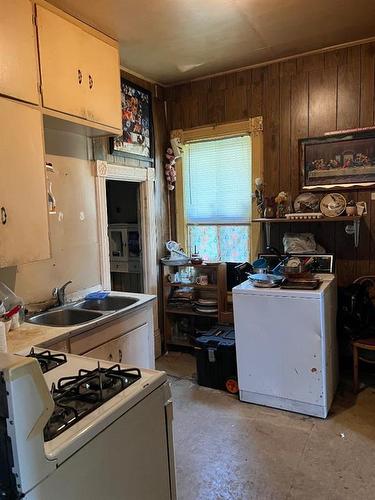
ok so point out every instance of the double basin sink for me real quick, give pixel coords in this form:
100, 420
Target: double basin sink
82, 311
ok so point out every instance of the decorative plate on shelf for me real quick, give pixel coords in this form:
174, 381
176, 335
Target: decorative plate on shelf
206, 302
307, 202
207, 310
333, 204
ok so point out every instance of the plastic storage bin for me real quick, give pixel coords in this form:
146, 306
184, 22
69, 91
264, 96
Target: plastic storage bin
216, 359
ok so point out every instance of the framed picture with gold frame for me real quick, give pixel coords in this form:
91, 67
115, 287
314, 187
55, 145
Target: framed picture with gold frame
341, 161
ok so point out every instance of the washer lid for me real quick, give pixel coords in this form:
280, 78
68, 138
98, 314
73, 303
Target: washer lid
247, 288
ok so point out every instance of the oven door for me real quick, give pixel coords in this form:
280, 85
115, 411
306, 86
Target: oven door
131, 458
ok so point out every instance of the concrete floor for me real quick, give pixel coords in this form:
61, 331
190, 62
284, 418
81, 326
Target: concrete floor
226, 449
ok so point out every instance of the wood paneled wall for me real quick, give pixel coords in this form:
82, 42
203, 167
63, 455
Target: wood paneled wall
161, 137
301, 97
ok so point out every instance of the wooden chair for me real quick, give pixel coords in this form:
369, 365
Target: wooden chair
360, 345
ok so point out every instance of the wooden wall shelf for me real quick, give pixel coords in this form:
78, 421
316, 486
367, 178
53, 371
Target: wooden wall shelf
341, 218
352, 227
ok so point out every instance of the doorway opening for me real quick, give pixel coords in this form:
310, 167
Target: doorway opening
124, 235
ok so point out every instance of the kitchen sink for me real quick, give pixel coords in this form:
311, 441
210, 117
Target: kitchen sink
110, 303
64, 317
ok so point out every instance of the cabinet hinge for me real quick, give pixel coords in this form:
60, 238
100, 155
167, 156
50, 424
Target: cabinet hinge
34, 19
40, 88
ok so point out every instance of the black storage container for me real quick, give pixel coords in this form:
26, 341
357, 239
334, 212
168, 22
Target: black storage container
216, 359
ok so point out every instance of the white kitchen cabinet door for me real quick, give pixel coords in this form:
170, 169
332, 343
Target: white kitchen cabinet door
80, 71
132, 348
24, 235
103, 94
18, 54
61, 63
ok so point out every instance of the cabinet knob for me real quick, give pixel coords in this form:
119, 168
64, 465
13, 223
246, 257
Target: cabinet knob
119, 355
91, 82
80, 77
3, 216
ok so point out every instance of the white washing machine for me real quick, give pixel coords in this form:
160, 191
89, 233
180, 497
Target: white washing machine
286, 346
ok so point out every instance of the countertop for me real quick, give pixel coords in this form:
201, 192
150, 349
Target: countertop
28, 334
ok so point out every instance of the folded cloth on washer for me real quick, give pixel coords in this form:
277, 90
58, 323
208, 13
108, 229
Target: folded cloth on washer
97, 295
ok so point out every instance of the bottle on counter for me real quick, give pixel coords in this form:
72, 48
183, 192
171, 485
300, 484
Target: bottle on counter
10, 300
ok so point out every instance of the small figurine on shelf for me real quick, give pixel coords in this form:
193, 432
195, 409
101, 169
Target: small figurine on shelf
351, 208
259, 195
195, 257
269, 208
284, 205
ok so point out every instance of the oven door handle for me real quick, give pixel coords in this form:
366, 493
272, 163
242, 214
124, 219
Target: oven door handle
168, 408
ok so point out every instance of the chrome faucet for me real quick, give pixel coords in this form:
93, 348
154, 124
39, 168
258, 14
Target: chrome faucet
59, 293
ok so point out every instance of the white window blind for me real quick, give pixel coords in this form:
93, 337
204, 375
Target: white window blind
217, 198
217, 181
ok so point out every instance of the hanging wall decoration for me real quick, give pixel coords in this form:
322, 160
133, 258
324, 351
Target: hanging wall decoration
136, 140
170, 170
344, 160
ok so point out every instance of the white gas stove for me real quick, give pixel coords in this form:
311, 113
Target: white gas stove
79, 428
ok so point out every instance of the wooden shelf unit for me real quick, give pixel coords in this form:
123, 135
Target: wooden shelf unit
216, 289
352, 227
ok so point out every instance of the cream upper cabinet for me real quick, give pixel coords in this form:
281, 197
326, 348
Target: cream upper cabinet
102, 66
24, 235
61, 63
18, 54
80, 72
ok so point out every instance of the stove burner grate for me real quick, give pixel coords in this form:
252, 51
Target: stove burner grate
47, 360
77, 396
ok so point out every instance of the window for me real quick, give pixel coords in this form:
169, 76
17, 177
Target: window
217, 197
